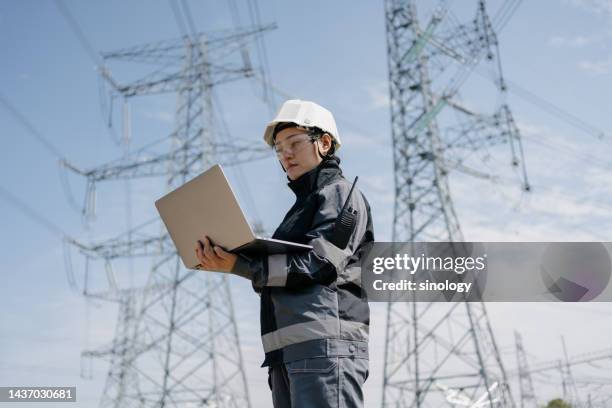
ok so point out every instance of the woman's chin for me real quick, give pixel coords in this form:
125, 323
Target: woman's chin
293, 172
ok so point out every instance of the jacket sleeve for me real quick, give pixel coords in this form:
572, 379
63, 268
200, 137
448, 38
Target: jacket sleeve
319, 265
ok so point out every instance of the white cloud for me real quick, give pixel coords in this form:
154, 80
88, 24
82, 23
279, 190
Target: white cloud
531, 129
577, 41
603, 7
571, 189
556, 202
597, 181
596, 67
379, 94
161, 116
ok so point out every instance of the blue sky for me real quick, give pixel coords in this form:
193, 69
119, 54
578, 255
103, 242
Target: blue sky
330, 52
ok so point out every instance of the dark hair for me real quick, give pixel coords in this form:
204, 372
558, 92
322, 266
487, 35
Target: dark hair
281, 126
316, 133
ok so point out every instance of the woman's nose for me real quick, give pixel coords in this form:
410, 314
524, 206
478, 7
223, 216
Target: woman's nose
287, 154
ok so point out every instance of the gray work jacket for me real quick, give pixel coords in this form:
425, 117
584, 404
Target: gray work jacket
311, 302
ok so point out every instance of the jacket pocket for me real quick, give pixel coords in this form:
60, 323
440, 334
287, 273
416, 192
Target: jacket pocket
319, 365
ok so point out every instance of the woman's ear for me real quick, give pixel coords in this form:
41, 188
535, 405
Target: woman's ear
326, 141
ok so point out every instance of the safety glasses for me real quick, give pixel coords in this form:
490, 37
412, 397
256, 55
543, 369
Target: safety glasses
294, 145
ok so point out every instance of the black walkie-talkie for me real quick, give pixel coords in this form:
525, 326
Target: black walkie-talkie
345, 223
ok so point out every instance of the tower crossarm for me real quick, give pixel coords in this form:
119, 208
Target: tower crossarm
173, 51
146, 165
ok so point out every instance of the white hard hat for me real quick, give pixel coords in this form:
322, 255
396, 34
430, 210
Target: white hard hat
306, 114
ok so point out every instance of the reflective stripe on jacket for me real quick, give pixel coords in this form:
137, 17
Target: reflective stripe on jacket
311, 302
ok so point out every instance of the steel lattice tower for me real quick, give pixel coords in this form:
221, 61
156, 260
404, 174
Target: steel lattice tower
440, 354
528, 398
598, 383
176, 341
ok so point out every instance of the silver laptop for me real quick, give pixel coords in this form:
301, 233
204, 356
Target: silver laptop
206, 205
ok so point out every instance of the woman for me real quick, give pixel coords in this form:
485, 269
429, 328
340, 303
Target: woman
314, 320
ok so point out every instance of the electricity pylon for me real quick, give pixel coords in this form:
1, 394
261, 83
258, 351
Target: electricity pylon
528, 398
435, 352
572, 392
176, 341
598, 383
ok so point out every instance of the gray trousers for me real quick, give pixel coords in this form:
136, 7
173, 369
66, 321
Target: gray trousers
319, 383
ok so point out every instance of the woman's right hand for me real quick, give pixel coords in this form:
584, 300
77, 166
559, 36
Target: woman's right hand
213, 257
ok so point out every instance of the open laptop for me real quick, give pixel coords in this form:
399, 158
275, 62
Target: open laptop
207, 205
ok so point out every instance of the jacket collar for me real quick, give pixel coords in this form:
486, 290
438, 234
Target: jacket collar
315, 178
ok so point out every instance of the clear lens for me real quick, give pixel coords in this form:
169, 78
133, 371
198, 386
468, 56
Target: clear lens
293, 145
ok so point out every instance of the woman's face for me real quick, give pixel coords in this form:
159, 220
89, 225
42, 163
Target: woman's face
297, 153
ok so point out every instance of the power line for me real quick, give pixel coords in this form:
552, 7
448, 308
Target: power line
91, 52
543, 141
493, 29
188, 18
243, 186
78, 32
30, 128
555, 110
212, 333
550, 107
564, 150
505, 13
50, 147
30, 213
179, 19
255, 16
255, 19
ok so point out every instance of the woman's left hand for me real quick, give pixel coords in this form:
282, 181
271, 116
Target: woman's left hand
213, 257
